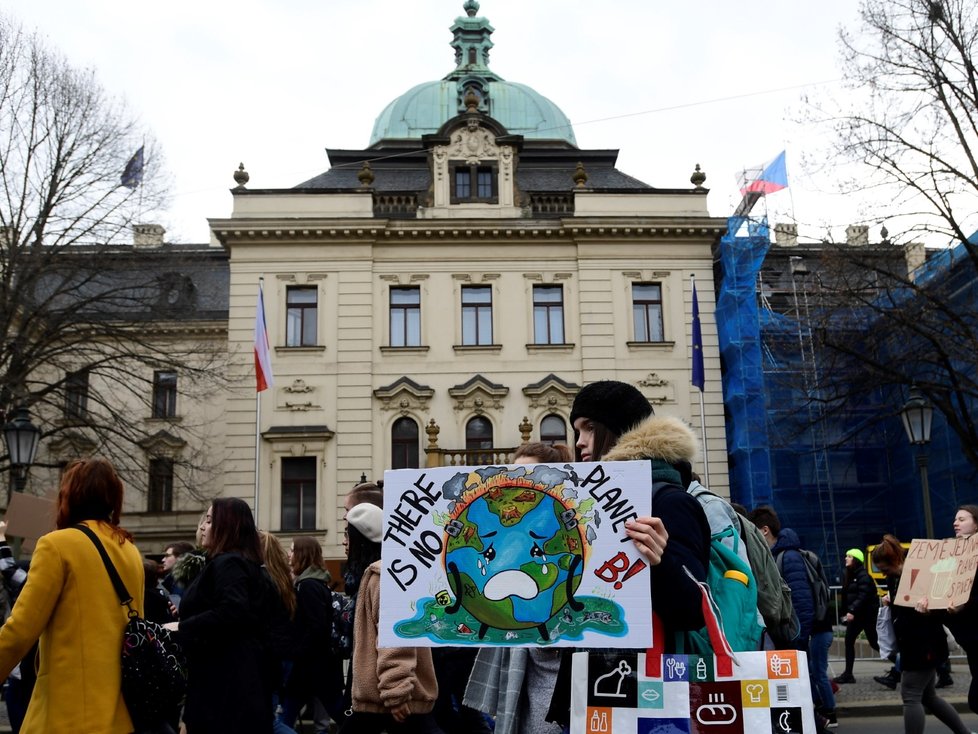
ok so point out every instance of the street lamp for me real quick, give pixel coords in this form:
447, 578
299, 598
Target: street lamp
21, 437
917, 414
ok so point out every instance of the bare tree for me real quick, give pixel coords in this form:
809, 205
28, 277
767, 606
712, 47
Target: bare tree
876, 323
87, 321
911, 119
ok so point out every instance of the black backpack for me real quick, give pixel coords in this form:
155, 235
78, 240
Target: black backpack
816, 580
154, 669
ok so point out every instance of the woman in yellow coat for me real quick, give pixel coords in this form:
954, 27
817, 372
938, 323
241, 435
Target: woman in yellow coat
68, 601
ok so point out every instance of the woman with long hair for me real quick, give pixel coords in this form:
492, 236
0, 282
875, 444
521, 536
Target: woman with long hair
70, 604
922, 645
861, 602
963, 620
315, 674
393, 689
280, 625
224, 628
615, 422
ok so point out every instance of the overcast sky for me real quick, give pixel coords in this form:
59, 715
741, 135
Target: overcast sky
273, 84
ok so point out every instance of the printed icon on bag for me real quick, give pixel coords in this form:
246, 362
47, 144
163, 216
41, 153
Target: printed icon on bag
716, 711
786, 721
782, 664
718, 707
599, 721
676, 668
650, 694
612, 680
610, 684
756, 693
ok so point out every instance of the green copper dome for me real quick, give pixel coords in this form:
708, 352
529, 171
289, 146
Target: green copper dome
423, 109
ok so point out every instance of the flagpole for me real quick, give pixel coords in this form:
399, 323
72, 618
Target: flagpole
701, 386
706, 445
263, 379
257, 449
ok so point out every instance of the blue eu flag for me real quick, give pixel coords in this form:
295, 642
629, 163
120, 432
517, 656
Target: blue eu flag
133, 175
699, 375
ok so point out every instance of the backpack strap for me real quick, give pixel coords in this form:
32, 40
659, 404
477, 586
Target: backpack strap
125, 598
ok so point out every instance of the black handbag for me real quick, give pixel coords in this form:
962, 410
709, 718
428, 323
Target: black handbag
154, 668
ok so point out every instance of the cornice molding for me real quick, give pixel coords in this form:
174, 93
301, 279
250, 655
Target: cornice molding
244, 232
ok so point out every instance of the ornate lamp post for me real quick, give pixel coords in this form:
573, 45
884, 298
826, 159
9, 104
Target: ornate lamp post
917, 414
21, 437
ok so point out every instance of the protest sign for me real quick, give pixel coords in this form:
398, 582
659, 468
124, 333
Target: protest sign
943, 571
528, 555
29, 517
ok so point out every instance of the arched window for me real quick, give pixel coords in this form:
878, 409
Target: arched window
404, 444
478, 433
553, 430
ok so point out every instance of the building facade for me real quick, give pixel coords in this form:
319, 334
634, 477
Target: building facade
440, 296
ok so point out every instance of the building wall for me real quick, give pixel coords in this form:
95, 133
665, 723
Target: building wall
323, 403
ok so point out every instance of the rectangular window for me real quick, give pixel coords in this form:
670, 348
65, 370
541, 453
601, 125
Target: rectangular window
476, 314
406, 317
485, 181
463, 183
299, 493
548, 314
164, 394
160, 496
647, 311
301, 315
474, 183
76, 395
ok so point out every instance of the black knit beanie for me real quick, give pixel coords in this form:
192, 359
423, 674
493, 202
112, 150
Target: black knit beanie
617, 406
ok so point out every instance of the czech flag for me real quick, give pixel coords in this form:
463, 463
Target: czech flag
765, 178
263, 360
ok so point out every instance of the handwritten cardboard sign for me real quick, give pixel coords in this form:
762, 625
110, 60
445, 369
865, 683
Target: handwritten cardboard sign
941, 570
29, 517
524, 556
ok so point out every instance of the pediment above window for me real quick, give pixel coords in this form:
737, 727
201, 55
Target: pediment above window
162, 444
478, 394
551, 392
405, 395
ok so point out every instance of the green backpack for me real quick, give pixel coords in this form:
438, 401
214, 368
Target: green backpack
732, 586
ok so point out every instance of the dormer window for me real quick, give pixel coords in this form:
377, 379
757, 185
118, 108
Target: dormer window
474, 183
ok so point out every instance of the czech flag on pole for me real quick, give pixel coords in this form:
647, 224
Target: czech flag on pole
765, 178
263, 360
699, 375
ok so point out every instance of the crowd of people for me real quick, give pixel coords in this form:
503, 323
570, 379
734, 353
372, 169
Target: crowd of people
259, 623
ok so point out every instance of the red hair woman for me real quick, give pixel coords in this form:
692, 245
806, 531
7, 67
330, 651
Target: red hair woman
69, 603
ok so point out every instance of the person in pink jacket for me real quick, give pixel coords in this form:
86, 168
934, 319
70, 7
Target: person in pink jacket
394, 689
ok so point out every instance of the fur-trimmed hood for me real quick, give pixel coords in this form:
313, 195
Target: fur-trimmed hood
657, 437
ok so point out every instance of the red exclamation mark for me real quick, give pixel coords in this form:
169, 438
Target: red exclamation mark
635, 568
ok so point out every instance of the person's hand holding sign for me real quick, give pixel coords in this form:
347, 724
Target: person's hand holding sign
649, 536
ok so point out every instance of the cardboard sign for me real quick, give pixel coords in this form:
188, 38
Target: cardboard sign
29, 517
941, 570
529, 555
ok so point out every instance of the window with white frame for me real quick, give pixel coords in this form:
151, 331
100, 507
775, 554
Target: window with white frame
548, 314
405, 316
476, 315
301, 316
647, 312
